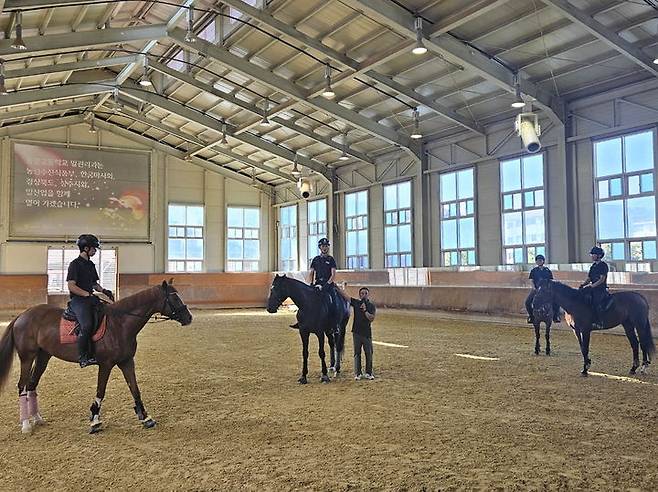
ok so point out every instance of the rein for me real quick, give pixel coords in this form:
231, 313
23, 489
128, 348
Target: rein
158, 317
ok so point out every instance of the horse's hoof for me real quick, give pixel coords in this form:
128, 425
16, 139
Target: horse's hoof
332, 369
325, 378
584, 374
643, 369
548, 352
302, 380
149, 423
38, 420
96, 427
633, 370
26, 428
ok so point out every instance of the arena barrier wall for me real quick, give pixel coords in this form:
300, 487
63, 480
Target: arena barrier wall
18, 292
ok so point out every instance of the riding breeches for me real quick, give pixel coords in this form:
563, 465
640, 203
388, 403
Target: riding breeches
531, 297
84, 309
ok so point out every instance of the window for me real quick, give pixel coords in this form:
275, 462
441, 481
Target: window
58, 266
456, 197
522, 187
185, 242
397, 225
356, 220
288, 238
177, 62
232, 20
625, 196
208, 33
317, 224
243, 244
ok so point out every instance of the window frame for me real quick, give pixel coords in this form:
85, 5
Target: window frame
280, 229
538, 248
458, 251
242, 260
399, 254
609, 245
311, 242
96, 259
203, 227
356, 258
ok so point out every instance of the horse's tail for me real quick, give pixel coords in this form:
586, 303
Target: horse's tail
646, 339
6, 353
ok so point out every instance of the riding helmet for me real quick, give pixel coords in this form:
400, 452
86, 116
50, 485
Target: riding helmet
597, 251
540, 257
88, 240
324, 242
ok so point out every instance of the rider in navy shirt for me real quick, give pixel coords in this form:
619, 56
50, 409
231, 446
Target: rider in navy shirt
537, 274
597, 281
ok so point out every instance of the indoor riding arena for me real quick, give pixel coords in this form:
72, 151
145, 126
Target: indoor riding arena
328, 245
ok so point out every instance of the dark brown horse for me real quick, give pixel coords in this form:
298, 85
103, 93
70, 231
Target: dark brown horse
34, 334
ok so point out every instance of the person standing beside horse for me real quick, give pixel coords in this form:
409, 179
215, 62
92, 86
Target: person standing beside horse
323, 273
597, 282
82, 279
537, 274
364, 315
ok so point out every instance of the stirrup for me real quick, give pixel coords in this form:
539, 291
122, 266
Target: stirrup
530, 320
88, 362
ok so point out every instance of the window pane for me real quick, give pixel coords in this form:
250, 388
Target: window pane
195, 216
448, 187
176, 249
529, 198
517, 201
608, 157
350, 205
518, 255
615, 187
512, 228
404, 238
465, 183
471, 257
251, 217
534, 226
636, 251
363, 242
641, 216
639, 151
507, 202
404, 195
603, 189
251, 249
322, 209
176, 214
618, 251
649, 248
539, 198
470, 207
634, 185
390, 197
610, 218
467, 233
646, 183
533, 171
351, 243
362, 203
234, 248
235, 217
195, 249
511, 174
449, 234
391, 243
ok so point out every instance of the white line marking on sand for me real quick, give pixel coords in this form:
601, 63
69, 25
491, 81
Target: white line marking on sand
386, 344
478, 357
619, 378
3, 324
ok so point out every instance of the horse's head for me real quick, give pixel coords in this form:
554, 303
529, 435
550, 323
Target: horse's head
173, 306
542, 304
278, 293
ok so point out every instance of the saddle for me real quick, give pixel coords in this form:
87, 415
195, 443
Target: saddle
69, 328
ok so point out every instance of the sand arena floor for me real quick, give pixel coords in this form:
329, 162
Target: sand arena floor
231, 415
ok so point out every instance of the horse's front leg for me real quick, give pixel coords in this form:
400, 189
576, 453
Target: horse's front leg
331, 338
95, 419
548, 337
325, 377
128, 369
304, 335
585, 351
537, 335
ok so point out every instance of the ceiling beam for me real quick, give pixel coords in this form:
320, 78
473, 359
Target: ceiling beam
84, 39
189, 79
157, 145
69, 67
224, 57
11, 5
355, 66
52, 93
459, 53
464, 15
605, 34
45, 110
206, 121
37, 126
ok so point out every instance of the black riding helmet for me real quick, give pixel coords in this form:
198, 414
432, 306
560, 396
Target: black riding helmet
324, 242
597, 251
540, 257
88, 240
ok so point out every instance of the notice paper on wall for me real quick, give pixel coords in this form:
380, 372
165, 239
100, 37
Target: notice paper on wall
60, 193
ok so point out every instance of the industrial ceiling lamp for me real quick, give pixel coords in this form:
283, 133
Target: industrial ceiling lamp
518, 100
18, 43
415, 134
528, 128
328, 92
419, 49
344, 156
265, 121
224, 141
655, 60
189, 34
92, 124
3, 88
145, 81
296, 173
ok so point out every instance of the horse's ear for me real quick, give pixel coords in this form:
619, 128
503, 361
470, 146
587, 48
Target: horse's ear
171, 280
164, 284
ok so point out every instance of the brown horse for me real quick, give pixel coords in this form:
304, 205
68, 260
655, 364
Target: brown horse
34, 334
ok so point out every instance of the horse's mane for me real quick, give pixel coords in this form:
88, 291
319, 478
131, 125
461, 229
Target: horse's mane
567, 290
135, 300
294, 280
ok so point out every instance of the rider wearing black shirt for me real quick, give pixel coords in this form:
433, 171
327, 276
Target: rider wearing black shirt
597, 281
537, 274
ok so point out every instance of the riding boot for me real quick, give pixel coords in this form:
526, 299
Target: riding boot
84, 343
531, 320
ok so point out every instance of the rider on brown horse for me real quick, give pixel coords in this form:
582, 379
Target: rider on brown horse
82, 280
597, 282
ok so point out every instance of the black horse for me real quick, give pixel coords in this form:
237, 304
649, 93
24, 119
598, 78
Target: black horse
542, 313
314, 316
629, 309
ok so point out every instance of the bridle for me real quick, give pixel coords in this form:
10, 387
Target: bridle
175, 313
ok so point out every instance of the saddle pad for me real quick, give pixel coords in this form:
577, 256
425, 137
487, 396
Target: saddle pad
67, 331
